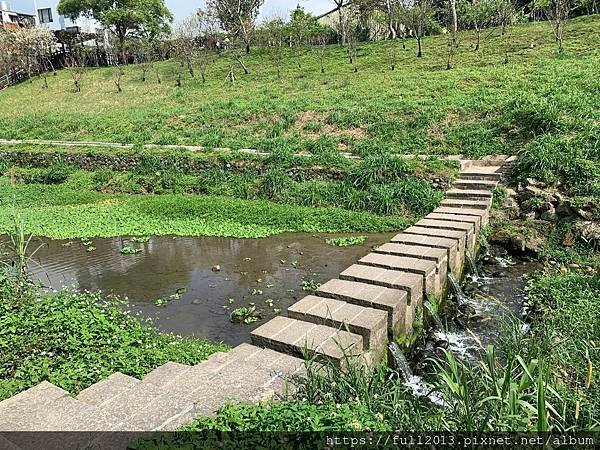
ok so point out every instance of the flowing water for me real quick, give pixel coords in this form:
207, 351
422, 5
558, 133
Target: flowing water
400, 362
202, 279
460, 296
489, 305
472, 266
415, 383
439, 326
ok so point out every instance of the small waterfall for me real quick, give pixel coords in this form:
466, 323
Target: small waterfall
401, 362
434, 316
473, 265
461, 297
414, 382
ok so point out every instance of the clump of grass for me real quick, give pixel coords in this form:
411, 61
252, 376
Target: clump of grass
274, 184
500, 195
380, 169
245, 314
53, 174
128, 250
346, 241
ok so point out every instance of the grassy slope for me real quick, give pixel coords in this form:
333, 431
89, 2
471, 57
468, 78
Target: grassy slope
481, 106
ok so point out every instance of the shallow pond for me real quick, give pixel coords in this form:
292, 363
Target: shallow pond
269, 273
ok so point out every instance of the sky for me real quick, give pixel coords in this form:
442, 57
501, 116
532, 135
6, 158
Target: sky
271, 8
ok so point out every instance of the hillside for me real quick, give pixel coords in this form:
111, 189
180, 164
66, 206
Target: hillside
481, 106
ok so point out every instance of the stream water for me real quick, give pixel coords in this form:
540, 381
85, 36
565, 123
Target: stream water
484, 305
214, 276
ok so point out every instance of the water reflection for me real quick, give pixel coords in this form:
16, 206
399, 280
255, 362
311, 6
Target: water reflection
250, 271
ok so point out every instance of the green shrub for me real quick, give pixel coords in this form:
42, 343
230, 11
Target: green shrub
573, 161
54, 174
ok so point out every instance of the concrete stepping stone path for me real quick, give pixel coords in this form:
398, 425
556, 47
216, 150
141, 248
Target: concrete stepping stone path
350, 318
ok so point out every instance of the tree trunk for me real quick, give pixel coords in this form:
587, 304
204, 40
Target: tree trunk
478, 39
419, 52
454, 21
393, 34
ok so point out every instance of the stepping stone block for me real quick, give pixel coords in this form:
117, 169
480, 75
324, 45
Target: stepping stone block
467, 229
473, 220
393, 301
370, 323
468, 194
480, 185
482, 214
427, 269
405, 281
450, 246
438, 255
459, 236
298, 338
471, 204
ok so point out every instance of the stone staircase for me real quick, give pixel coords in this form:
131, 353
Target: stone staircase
346, 319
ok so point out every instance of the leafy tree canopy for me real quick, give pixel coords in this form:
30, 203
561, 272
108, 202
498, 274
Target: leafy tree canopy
149, 18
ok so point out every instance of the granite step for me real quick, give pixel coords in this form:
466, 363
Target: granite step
459, 236
49, 408
463, 218
277, 364
405, 281
298, 338
264, 376
438, 255
107, 389
148, 407
274, 361
165, 412
164, 374
246, 373
370, 323
481, 213
474, 174
432, 283
468, 194
168, 372
491, 161
69, 414
393, 301
200, 374
15, 411
481, 185
467, 229
450, 246
428, 236
471, 204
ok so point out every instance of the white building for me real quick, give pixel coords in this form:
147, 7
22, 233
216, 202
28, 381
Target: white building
10, 19
46, 14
